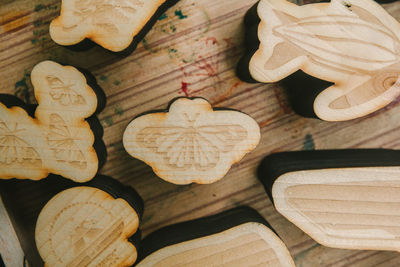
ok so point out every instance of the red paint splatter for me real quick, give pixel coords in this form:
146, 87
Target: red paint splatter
212, 39
185, 89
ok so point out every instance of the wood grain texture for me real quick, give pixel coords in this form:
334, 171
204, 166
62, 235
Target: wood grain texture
58, 139
111, 24
195, 53
191, 142
84, 226
237, 237
353, 44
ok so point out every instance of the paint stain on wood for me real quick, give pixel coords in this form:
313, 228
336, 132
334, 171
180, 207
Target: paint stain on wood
309, 143
179, 14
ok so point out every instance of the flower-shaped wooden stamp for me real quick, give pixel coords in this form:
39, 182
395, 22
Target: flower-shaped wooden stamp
58, 139
354, 44
238, 237
116, 25
86, 226
341, 198
191, 142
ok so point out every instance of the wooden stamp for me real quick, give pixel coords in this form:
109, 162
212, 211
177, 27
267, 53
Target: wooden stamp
341, 198
352, 44
238, 237
192, 142
92, 225
57, 139
117, 25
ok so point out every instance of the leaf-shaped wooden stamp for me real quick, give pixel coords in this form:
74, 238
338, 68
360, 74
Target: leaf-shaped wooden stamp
57, 139
117, 25
191, 142
341, 198
238, 237
88, 226
353, 44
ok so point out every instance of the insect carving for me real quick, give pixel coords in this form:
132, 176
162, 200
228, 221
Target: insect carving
58, 140
192, 142
113, 24
355, 44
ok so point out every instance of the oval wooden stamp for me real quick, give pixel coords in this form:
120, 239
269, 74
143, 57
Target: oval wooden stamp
238, 237
116, 25
341, 198
192, 142
353, 44
58, 139
85, 226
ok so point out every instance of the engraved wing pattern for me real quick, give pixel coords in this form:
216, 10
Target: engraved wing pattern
13, 149
63, 93
63, 145
187, 147
105, 14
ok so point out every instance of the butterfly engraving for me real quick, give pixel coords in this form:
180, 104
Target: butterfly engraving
13, 149
192, 146
63, 93
104, 14
62, 143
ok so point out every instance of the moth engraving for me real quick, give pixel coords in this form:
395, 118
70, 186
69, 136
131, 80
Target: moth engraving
192, 146
14, 149
58, 139
63, 144
354, 44
63, 93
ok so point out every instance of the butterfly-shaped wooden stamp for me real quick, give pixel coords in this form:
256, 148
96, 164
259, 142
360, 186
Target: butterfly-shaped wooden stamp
191, 142
237, 237
117, 25
341, 198
354, 44
86, 226
57, 139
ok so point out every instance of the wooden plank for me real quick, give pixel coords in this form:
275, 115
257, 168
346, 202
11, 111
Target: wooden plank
193, 51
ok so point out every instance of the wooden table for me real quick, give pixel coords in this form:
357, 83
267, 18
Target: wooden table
192, 51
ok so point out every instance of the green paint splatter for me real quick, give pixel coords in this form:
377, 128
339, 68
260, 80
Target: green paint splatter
179, 14
21, 88
108, 121
309, 143
116, 82
119, 110
172, 52
147, 47
163, 16
39, 7
103, 78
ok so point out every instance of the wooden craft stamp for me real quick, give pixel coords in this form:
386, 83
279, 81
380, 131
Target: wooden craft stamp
117, 25
90, 226
58, 139
192, 142
352, 44
238, 237
341, 198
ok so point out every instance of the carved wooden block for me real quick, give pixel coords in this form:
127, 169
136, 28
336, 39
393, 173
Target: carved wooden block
238, 237
58, 139
116, 25
192, 142
90, 226
341, 198
352, 44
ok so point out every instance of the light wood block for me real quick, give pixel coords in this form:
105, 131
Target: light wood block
351, 200
85, 226
354, 44
115, 25
57, 139
192, 142
236, 238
